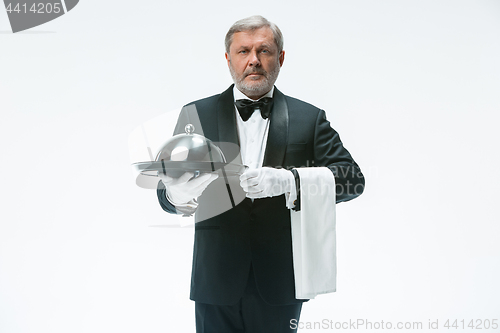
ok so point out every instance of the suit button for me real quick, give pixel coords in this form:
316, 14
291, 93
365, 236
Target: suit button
295, 202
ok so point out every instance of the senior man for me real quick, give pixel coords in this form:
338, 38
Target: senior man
243, 273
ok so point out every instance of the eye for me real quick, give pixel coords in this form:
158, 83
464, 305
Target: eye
243, 51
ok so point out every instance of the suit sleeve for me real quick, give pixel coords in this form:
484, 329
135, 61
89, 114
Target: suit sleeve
330, 152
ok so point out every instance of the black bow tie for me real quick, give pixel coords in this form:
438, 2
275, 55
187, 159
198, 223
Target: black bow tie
246, 107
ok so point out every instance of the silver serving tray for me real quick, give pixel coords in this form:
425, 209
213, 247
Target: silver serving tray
176, 168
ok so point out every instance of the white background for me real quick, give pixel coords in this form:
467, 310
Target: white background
411, 86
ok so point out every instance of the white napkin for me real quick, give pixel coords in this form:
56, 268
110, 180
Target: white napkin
313, 234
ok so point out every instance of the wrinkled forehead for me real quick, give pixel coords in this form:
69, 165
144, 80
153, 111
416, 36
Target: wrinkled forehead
262, 37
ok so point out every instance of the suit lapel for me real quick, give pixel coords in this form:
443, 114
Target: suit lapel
228, 131
278, 132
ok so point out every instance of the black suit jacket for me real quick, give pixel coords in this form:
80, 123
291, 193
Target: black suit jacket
257, 233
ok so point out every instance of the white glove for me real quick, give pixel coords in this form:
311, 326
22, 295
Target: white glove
183, 190
267, 182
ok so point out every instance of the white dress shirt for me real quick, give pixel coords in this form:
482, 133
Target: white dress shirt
253, 139
252, 133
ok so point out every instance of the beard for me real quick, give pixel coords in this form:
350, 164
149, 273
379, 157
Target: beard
257, 87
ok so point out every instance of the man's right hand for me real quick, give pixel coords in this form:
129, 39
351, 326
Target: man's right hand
184, 189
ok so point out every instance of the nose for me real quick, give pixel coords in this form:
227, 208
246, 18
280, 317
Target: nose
254, 60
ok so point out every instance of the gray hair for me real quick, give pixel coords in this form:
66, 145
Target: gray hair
253, 23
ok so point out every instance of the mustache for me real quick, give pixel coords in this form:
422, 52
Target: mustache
256, 71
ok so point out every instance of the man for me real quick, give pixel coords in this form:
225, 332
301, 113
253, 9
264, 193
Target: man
243, 274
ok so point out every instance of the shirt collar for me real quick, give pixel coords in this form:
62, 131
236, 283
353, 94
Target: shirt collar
239, 95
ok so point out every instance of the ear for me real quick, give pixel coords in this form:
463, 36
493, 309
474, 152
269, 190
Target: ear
282, 58
227, 58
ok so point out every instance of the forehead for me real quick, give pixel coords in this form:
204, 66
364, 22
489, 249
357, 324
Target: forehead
253, 38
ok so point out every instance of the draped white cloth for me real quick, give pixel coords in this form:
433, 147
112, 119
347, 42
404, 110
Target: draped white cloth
313, 234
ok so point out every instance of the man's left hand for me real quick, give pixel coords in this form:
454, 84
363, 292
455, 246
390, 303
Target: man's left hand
266, 182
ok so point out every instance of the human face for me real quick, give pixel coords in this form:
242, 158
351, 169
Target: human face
254, 61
